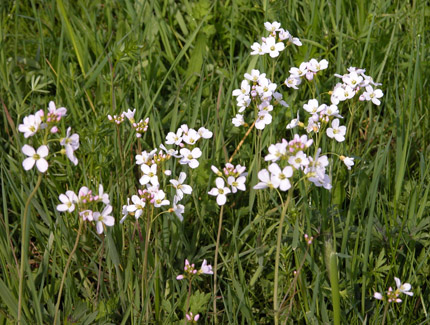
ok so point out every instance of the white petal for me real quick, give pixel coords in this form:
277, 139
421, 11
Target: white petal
221, 199
99, 227
43, 151
28, 163
28, 150
42, 165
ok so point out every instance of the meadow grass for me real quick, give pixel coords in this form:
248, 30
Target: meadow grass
176, 63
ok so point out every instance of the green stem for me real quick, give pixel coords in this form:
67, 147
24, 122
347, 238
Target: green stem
24, 245
145, 258
216, 260
385, 313
66, 268
278, 253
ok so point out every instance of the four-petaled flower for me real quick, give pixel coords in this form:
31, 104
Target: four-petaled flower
35, 157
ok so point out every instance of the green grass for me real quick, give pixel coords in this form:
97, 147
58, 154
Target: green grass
176, 63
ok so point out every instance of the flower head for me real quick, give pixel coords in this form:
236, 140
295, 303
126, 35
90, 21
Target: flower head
35, 157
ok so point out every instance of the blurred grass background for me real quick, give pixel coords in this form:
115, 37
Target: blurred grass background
178, 62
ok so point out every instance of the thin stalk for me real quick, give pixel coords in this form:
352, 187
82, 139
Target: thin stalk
216, 261
278, 253
242, 141
188, 296
24, 244
145, 258
66, 268
385, 313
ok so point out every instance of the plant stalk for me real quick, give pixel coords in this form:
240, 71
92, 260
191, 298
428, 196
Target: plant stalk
24, 245
66, 268
216, 261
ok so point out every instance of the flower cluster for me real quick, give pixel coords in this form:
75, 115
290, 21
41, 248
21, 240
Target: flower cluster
393, 295
257, 89
33, 125
88, 206
306, 70
191, 272
140, 127
235, 176
352, 83
274, 43
293, 157
152, 166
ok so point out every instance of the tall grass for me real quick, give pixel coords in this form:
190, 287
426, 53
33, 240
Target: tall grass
178, 62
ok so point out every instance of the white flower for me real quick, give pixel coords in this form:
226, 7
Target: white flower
299, 160
104, 218
272, 27
245, 88
87, 215
34, 157
264, 118
238, 120
293, 81
178, 209
55, 114
276, 151
300, 71
271, 47
145, 157
149, 174
348, 161
104, 197
313, 107
205, 268
403, 288
316, 66
137, 207
181, 188
220, 191
267, 180
336, 131
68, 201
190, 157
255, 76
373, 95
191, 137
257, 49
205, 133
378, 296
282, 175
294, 122
130, 115
159, 199
174, 138
237, 183
71, 142
31, 125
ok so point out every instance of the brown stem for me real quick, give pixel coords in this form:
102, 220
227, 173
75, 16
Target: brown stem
242, 141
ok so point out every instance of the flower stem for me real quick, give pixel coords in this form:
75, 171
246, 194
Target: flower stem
145, 258
66, 268
242, 141
278, 253
216, 261
385, 313
188, 297
24, 245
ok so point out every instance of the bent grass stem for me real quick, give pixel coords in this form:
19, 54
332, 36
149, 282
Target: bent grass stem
24, 245
216, 260
66, 268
